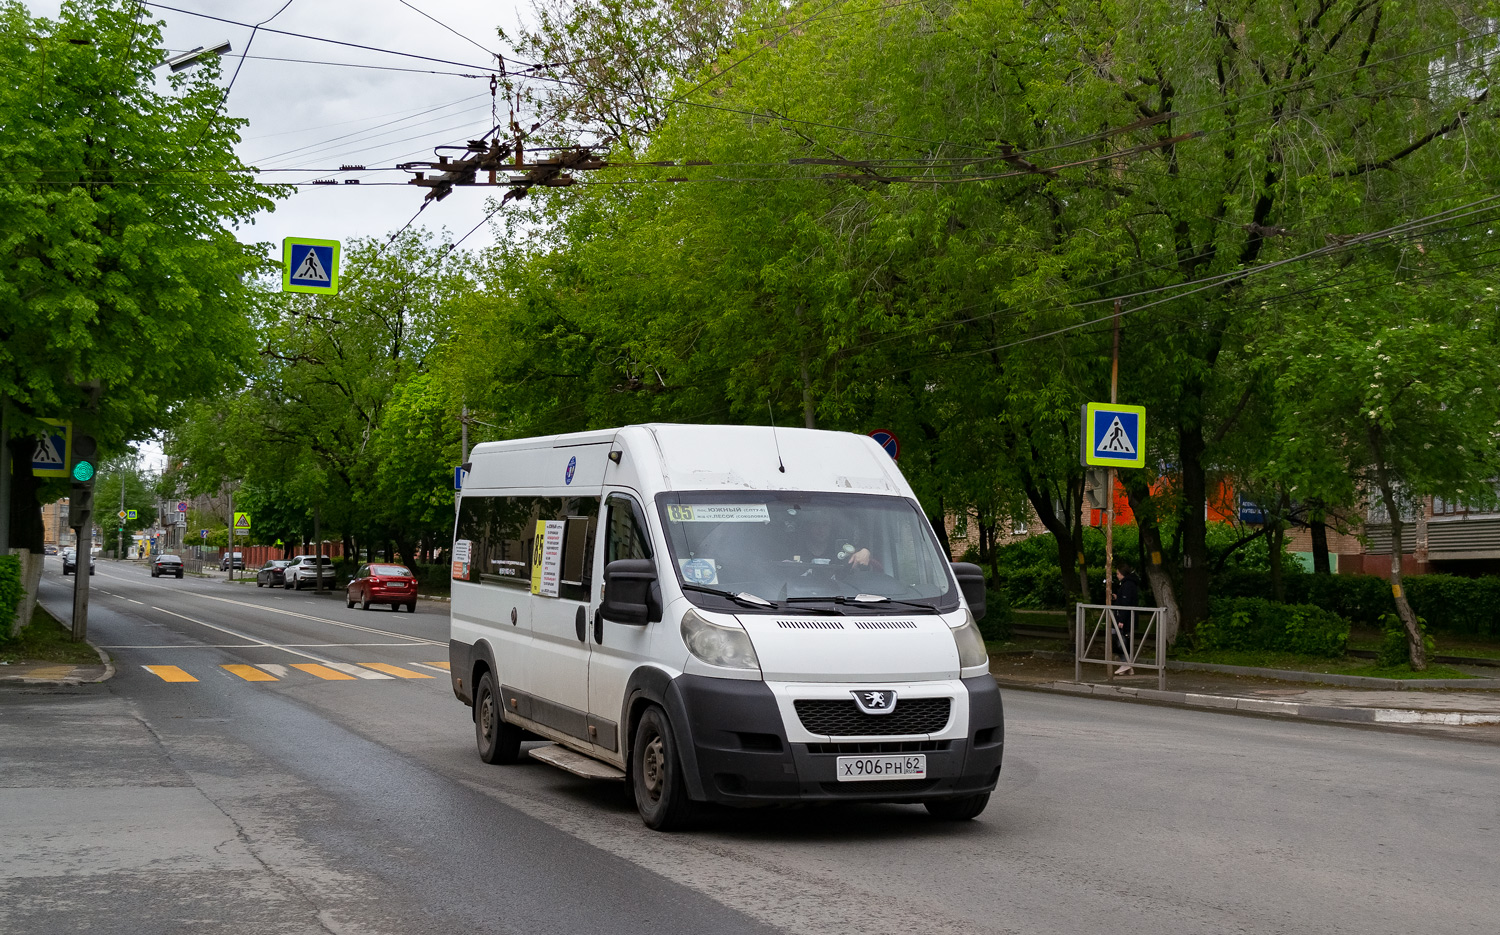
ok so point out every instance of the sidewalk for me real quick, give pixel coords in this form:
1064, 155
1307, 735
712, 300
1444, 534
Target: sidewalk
1263, 693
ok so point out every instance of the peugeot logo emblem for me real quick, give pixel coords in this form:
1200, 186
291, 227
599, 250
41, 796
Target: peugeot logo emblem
881, 701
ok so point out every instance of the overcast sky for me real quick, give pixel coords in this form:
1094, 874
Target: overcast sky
319, 117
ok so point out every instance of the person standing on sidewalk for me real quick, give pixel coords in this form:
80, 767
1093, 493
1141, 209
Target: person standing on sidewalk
1127, 594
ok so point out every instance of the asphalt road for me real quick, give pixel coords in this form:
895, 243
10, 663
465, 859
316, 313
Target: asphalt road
325, 804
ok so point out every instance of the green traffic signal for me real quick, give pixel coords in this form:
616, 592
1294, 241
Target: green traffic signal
83, 472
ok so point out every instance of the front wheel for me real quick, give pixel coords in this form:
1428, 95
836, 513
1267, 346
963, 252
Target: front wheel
498, 741
656, 774
962, 808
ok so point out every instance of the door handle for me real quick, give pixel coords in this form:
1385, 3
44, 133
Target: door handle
580, 621
598, 628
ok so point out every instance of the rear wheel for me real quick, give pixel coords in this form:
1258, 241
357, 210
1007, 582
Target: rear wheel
364, 604
962, 808
498, 741
259, 583
656, 774
412, 607
179, 574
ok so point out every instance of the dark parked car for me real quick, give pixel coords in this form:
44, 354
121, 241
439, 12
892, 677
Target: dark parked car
70, 562
166, 565
272, 573
49, 549
239, 562
378, 583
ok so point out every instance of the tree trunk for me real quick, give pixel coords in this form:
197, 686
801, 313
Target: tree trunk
26, 529
1144, 508
939, 526
1193, 528
809, 408
1319, 531
1415, 645
1062, 535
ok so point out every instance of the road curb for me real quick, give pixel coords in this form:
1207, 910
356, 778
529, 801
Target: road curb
1260, 706
1298, 675
67, 680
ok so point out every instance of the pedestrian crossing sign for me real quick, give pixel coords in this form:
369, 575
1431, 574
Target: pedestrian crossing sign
242, 522
310, 265
53, 450
1113, 435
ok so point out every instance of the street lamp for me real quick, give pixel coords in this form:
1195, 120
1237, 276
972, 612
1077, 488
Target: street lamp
196, 56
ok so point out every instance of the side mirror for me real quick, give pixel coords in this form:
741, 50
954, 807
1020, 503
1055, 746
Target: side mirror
971, 582
630, 594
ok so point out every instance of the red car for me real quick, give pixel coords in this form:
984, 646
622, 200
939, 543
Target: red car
383, 584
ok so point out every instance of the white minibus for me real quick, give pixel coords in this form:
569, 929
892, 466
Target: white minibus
741, 615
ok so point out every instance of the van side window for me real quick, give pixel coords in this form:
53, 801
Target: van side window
502, 532
627, 531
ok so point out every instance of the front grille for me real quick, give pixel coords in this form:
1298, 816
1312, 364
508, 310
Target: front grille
838, 718
868, 747
815, 624
886, 624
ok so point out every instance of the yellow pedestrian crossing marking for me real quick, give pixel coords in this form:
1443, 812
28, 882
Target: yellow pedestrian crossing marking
321, 671
329, 671
249, 673
389, 669
169, 673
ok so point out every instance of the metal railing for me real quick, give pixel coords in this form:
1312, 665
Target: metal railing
1133, 626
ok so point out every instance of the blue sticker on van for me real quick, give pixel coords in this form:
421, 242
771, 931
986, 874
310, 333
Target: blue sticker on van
572, 468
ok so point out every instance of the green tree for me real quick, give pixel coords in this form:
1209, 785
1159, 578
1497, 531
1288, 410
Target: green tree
122, 284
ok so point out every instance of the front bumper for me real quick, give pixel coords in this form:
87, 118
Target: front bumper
736, 751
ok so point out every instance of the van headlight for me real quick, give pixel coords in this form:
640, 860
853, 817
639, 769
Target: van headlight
971, 651
717, 645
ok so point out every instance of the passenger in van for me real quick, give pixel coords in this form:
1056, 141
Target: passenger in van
820, 545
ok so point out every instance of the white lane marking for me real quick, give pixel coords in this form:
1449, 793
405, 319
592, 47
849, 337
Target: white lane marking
290, 613
134, 601
426, 666
280, 672
253, 645
245, 636
352, 669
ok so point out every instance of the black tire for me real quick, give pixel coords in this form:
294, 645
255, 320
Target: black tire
364, 605
348, 601
498, 741
179, 574
962, 808
412, 607
259, 583
656, 778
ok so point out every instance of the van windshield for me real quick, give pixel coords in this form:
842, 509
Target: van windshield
794, 547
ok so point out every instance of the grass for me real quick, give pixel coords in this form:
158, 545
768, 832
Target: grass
1344, 666
46, 640
1448, 644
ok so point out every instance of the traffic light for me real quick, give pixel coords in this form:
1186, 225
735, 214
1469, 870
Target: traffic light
84, 450
81, 499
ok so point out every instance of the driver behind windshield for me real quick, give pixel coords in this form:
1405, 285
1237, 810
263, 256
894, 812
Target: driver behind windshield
817, 540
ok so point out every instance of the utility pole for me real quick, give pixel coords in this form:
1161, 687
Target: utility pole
318, 539
230, 537
81, 518
1109, 526
120, 529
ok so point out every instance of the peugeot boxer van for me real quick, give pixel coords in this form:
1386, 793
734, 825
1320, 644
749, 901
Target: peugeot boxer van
731, 614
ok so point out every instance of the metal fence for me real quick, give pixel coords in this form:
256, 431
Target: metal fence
1132, 627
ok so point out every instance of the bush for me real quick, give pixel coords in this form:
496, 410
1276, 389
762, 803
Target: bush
1448, 603
997, 616
1255, 623
1395, 650
11, 591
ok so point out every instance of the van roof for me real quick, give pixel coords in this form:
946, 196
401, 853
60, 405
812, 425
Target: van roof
673, 456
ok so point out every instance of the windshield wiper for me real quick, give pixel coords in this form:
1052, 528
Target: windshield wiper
753, 600
860, 600
743, 597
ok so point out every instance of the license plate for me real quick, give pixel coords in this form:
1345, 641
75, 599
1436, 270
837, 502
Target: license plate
863, 768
